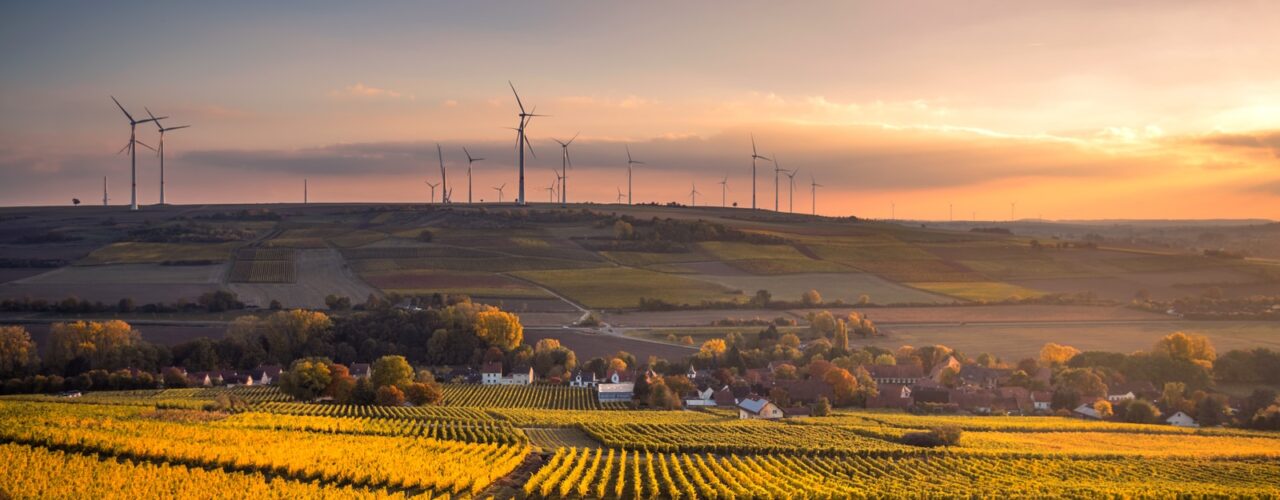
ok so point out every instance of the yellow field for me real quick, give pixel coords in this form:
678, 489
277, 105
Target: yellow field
978, 291
622, 287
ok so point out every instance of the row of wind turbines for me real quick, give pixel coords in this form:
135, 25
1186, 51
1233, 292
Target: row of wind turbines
132, 148
559, 187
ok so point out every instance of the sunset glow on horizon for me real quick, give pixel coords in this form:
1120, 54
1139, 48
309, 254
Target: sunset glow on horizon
1078, 111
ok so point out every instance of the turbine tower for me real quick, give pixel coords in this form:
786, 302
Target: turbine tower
470, 160
630, 162
499, 190
776, 169
444, 178
161, 153
724, 190
105, 199
304, 191
791, 189
813, 194
433, 190
521, 139
551, 191
133, 153
1013, 211
754, 156
565, 163
693, 195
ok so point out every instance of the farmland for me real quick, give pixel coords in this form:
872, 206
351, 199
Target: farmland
621, 287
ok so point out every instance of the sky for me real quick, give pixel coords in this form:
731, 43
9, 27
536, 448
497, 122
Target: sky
920, 110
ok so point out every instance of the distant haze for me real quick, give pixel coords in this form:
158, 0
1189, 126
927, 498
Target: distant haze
1079, 110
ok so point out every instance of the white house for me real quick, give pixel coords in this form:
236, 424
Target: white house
701, 397
1087, 411
491, 374
1181, 419
583, 378
1041, 400
617, 386
758, 408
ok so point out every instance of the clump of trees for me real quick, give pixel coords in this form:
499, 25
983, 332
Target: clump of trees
216, 301
391, 383
947, 435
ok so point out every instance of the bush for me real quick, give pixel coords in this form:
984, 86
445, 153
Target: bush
390, 396
947, 435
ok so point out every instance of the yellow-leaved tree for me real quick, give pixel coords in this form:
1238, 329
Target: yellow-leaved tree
499, 329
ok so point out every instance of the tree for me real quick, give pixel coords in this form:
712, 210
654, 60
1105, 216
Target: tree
823, 324
337, 302
499, 328
92, 344
421, 394
785, 371
617, 365
364, 393
1103, 407
17, 351
341, 384
1181, 346
1082, 381
391, 370
886, 360
780, 397
662, 397
821, 408
390, 395
1212, 410
306, 379
843, 384
811, 298
1054, 354
287, 333
762, 298
622, 230
713, 348
1173, 396
1141, 412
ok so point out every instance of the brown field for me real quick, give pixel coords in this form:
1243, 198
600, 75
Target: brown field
319, 273
1001, 313
476, 284
832, 286
686, 318
1162, 286
159, 332
134, 253
591, 345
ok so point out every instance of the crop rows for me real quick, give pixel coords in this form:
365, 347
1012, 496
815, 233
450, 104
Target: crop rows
333, 410
525, 396
471, 432
365, 460
59, 474
264, 265
635, 475
742, 436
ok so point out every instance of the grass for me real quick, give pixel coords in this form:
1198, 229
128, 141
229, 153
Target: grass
138, 253
623, 287
909, 271
644, 259
847, 286
726, 250
978, 291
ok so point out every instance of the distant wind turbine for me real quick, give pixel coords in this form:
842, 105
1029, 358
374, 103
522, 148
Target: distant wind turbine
791, 191
693, 195
470, 160
630, 162
551, 192
565, 163
754, 156
161, 152
1013, 211
619, 200
105, 199
305, 199
133, 153
522, 140
444, 178
433, 189
776, 170
499, 190
813, 194
724, 190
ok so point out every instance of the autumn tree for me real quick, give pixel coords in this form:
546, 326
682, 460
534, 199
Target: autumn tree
1054, 354
389, 395
499, 328
306, 379
886, 360
287, 334
391, 371
341, 383
1103, 407
823, 324
811, 298
17, 351
821, 408
550, 359
843, 384
93, 344
1141, 412
785, 371
662, 397
421, 393
1193, 348
713, 348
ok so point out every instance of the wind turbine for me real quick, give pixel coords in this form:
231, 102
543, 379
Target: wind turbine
304, 191
619, 200
105, 199
630, 162
521, 139
470, 160
724, 190
433, 190
776, 169
1013, 211
813, 194
444, 178
693, 195
133, 153
791, 191
499, 190
565, 163
754, 156
161, 153
551, 191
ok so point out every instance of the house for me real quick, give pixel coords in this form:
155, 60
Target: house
724, 397
896, 374
701, 396
758, 408
930, 393
1086, 411
618, 386
1181, 419
980, 402
1130, 391
798, 411
360, 370
201, 379
981, 376
892, 396
266, 374
1041, 400
806, 391
583, 378
491, 374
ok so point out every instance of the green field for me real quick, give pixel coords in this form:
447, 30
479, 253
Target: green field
978, 291
129, 252
622, 287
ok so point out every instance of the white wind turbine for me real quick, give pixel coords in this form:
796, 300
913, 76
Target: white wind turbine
791, 190
551, 191
499, 190
133, 153
521, 139
693, 195
565, 163
105, 199
433, 189
619, 200
444, 178
754, 156
470, 160
724, 190
630, 162
161, 152
813, 193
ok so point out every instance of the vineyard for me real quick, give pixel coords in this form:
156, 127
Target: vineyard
526, 396
264, 265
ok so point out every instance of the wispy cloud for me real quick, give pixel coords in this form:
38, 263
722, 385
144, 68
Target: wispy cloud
360, 90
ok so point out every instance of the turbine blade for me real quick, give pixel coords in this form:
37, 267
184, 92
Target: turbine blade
176, 128
144, 145
517, 94
126, 113
153, 118
575, 136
